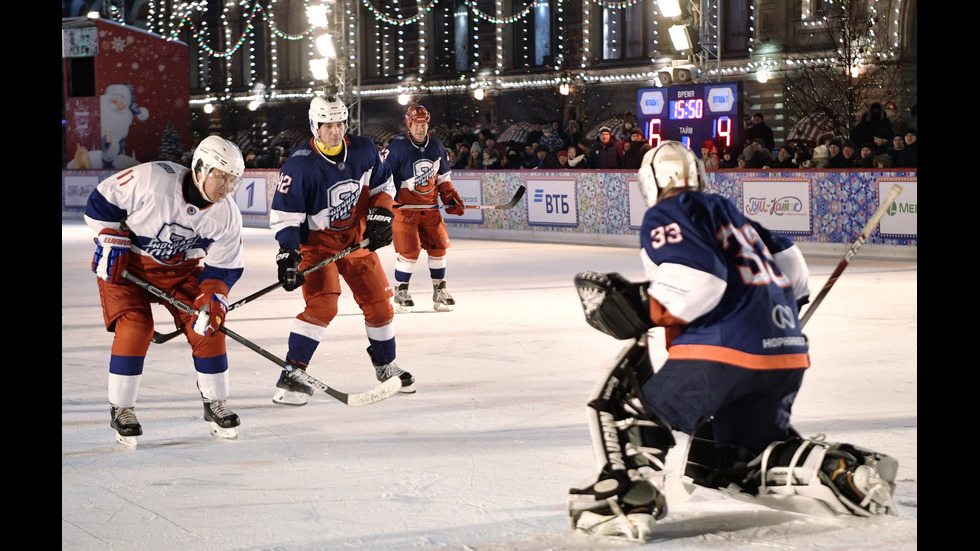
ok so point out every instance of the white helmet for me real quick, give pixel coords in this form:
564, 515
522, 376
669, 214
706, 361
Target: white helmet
669, 165
216, 152
326, 110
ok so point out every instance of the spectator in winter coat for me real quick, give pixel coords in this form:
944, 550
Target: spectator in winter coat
563, 159
709, 155
866, 155
871, 121
784, 158
760, 130
847, 157
546, 159
576, 157
551, 139
729, 158
909, 156
883, 140
638, 147
606, 153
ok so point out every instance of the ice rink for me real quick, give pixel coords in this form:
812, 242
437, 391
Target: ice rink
482, 456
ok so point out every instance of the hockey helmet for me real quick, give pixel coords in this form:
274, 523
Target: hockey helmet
216, 152
669, 165
417, 113
329, 109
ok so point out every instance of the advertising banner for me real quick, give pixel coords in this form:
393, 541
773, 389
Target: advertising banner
252, 196
552, 202
901, 220
780, 204
471, 192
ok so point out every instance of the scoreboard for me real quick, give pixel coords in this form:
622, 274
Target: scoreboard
692, 113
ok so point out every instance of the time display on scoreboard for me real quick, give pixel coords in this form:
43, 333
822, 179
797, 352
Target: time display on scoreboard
691, 114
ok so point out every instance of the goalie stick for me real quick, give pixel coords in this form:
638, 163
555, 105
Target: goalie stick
506, 206
865, 233
375, 394
160, 338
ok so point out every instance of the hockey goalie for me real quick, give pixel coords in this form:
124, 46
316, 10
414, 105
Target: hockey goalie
727, 294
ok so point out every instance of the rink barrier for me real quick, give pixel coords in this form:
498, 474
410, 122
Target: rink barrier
821, 210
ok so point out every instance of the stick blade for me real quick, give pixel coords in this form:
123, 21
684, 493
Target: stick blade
376, 394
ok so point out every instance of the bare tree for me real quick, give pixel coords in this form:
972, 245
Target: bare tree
848, 65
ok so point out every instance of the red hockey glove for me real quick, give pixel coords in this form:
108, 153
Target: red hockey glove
454, 201
212, 308
111, 255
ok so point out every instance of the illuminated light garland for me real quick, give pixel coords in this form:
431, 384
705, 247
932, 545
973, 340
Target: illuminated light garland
399, 21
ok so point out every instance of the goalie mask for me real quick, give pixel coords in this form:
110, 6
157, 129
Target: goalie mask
326, 110
216, 152
669, 165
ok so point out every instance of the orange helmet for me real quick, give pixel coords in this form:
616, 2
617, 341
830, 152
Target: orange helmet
417, 113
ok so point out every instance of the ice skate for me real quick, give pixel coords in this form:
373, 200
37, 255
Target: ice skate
403, 300
442, 301
221, 419
127, 427
389, 370
290, 392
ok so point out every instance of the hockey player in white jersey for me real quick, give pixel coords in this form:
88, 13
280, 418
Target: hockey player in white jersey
423, 176
727, 293
180, 230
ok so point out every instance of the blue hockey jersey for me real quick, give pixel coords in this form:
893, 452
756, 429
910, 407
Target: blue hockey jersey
723, 287
332, 195
420, 172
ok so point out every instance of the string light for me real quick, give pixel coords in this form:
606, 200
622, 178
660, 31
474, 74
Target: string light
241, 21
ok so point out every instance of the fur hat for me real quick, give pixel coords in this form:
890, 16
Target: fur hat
605, 129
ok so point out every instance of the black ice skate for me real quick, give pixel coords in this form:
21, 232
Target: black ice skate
289, 391
221, 419
127, 427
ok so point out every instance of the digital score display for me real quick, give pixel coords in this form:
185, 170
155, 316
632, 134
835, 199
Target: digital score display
691, 114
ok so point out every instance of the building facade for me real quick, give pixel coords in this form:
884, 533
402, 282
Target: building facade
251, 77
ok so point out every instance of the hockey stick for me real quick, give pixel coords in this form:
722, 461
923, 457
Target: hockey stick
508, 205
376, 394
865, 233
160, 338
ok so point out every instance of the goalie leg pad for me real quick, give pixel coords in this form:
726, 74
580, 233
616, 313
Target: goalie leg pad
614, 305
816, 477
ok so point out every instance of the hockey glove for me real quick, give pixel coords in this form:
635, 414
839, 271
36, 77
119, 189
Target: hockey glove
454, 201
211, 311
111, 255
614, 305
289, 274
378, 230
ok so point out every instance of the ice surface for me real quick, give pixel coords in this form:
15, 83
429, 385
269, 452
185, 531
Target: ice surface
482, 456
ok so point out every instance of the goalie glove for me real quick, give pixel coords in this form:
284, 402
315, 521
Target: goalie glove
614, 305
111, 255
378, 231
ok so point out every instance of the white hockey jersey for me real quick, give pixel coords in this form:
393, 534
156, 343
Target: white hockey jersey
167, 232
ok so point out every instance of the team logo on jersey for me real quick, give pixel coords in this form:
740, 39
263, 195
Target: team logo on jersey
425, 176
170, 244
342, 199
